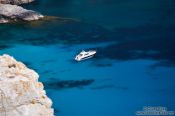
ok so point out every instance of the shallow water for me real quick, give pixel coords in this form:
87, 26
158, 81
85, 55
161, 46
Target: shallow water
134, 65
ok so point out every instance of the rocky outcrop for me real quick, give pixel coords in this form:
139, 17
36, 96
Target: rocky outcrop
14, 12
20, 92
10, 12
15, 1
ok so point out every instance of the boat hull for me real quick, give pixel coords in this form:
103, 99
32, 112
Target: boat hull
85, 58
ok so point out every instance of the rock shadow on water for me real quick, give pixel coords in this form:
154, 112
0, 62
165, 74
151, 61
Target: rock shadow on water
67, 84
162, 63
3, 46
109, 86
150, 42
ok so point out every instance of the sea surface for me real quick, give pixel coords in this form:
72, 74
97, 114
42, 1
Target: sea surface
135, 62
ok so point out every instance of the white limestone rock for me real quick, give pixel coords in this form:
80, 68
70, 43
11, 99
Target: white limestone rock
15, 1
14, 12
20, 92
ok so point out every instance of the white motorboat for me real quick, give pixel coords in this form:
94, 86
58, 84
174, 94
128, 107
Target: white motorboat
85, 55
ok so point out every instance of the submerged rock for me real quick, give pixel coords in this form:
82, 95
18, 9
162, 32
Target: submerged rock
14, 12
15, 1
20, 92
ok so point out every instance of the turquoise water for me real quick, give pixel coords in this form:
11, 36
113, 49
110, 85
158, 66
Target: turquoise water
134, 65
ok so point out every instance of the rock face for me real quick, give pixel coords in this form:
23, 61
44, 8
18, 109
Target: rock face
15, 1
20, 92
9, 11
15, 12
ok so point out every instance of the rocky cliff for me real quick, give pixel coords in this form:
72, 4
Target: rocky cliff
15, 1
15, 12
20, 92
10, 12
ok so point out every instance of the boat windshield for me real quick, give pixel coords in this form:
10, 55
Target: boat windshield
80, 54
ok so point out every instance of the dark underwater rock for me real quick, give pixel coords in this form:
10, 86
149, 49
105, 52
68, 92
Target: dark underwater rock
65, 84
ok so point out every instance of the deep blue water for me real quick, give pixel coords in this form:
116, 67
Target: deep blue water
135, 62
